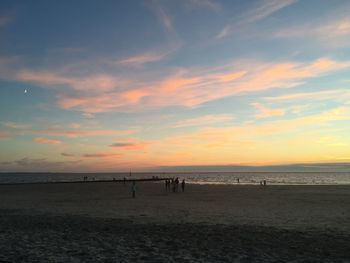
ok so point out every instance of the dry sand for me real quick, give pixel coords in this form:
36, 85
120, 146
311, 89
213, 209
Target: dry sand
100, 222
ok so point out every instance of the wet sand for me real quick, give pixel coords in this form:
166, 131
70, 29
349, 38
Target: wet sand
208, 223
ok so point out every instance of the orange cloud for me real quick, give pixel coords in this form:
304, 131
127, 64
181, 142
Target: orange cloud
4, 134
47, 141
264, 112
204, 120
85, 133
193, 89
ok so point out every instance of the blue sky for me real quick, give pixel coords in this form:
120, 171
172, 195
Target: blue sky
114, 85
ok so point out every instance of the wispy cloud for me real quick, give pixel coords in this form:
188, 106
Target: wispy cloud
335, 32
331, 94
130, 145
203, 145
206, 4
204, 120
4, 134
84, 133
39, 164
101, 155
68, 154
262, 10
142, 59
94, 83
15, 125
265, 112
192, 88
43, 140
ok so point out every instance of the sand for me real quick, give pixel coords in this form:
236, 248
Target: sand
100, 222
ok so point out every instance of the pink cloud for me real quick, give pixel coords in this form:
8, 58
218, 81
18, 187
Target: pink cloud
98, 83
47, 141
264, 112
75, 125
193, 88
85, 133
4, 134
204, 120
143, 58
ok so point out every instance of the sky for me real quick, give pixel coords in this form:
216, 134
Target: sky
97, 86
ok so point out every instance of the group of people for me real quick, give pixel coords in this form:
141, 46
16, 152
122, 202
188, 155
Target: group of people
263, 182
173, 185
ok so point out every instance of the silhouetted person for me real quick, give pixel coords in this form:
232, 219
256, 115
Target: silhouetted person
264, 182
166, 185
237, 180
133, 189
183, 185
177, 184
124, 180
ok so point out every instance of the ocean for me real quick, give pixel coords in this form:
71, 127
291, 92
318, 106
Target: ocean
274, 178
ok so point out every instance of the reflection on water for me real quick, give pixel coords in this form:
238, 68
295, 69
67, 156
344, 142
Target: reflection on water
283, 178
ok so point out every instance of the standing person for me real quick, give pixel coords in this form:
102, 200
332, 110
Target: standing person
177, 184
237, 180
264, 182
133, 189
173, 184
183, 185
166, 185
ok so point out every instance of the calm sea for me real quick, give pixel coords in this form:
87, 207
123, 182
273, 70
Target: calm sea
277, 178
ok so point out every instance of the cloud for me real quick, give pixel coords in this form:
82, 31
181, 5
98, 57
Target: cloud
335, 32
261, 11
101, 155
331, 94
206, 4
264, 112
165, 20
41, 164
47, 141
130, 145
84, 133
141, 59
94, 83
75, 125
190, 88
15, 125
4, 134
204, 120
88, 115
68, 154
262, 142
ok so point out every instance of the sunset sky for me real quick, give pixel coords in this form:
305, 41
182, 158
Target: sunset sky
120, 85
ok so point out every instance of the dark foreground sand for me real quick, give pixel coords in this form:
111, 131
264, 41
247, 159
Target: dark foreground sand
99, 222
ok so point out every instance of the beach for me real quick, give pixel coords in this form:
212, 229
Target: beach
101, 222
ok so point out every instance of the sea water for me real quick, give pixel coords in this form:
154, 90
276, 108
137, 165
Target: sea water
275, 178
